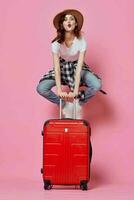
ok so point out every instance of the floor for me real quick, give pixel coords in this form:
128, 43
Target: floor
24, 189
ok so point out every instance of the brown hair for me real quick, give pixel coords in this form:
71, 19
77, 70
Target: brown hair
61, 31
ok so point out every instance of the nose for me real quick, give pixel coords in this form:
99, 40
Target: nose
68, 20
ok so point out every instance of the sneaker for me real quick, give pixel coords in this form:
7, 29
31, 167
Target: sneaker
78, 110
68, 110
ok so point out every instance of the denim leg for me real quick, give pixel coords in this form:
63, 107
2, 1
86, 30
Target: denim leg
44, 89
93, 84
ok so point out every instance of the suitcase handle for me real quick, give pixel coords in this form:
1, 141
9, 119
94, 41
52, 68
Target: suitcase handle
74, 108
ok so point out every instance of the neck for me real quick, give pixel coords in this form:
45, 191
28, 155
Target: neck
69, 36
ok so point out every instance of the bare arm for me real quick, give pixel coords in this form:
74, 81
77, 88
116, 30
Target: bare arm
57, 72
77, 75
58, 76
78, 72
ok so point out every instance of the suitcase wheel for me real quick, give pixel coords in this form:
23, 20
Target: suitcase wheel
47, 185
83, 185
42, 133
41, 170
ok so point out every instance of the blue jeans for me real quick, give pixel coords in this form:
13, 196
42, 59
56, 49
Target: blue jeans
92, 82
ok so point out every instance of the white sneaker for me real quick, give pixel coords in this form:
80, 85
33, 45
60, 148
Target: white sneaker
68, 110
78, 110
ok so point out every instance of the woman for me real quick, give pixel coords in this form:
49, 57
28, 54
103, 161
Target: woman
68, 51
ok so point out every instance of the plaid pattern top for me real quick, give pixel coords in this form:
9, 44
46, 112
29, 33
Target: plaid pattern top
68, 69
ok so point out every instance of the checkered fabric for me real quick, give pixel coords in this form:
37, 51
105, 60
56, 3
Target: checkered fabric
68, 69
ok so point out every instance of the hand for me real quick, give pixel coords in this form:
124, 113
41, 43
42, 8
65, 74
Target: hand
63, 95
71, 96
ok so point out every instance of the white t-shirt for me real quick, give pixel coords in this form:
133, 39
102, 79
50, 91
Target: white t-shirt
70, 53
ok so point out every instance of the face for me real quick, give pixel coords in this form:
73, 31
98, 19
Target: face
69, 23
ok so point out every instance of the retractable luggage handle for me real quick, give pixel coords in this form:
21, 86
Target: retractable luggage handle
74, 108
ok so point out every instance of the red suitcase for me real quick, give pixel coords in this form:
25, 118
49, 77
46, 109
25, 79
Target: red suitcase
66, 152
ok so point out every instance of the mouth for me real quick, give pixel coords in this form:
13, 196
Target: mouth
69, 25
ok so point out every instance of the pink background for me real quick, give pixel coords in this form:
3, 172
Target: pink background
25, 55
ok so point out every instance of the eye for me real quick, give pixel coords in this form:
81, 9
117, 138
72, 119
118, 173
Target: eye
72, 18
65, 19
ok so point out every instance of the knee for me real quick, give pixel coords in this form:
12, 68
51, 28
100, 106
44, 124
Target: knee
40, 89
92, 81
98, 84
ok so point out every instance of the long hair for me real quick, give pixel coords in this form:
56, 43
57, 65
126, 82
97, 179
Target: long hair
61, 31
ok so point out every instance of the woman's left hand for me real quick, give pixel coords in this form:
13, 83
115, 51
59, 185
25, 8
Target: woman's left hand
71, 96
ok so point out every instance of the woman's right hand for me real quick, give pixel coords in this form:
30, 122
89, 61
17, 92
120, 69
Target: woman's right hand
63, 95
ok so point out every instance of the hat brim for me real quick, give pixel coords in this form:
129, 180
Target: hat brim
75, 13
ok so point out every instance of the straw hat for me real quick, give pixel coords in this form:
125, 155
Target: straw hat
75, 13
